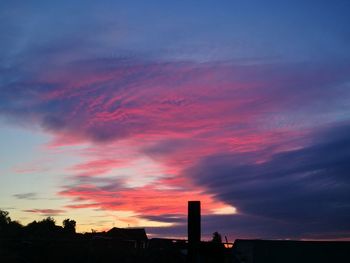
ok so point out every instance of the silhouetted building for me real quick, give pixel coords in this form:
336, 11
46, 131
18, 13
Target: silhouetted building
136, 235
166, 243
286, 251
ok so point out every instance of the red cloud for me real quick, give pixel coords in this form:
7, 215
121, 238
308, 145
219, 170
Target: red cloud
144, 201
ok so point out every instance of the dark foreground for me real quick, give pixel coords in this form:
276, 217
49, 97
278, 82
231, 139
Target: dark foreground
91, 249
44, 241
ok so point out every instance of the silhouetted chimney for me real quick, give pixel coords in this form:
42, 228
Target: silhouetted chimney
194, 222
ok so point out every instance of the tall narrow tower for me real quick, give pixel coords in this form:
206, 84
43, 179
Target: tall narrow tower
194, 223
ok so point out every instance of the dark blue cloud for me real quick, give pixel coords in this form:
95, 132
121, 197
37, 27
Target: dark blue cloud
304, 191
168, 218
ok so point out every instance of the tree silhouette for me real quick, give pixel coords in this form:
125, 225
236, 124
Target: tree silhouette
216, 238
69, 226
44, 227
4, 218
7, 226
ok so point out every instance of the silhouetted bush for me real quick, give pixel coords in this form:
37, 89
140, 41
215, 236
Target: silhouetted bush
44, 228
69, 226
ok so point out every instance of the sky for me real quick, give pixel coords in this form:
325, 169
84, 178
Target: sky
116, 113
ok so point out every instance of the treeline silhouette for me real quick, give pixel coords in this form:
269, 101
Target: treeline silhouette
44, 228
44, 241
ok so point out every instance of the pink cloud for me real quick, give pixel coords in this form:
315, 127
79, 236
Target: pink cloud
177, 114
144, 201
97, 167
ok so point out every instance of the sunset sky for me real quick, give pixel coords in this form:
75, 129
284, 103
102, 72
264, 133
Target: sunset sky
116, 113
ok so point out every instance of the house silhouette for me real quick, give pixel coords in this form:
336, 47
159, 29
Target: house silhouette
136, 235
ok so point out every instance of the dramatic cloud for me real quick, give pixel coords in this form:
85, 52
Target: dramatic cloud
242, 129
108, 99
145, 201
248, 117
301, 190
